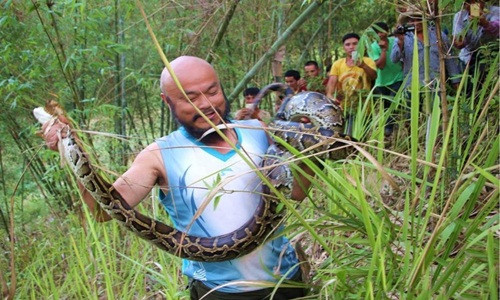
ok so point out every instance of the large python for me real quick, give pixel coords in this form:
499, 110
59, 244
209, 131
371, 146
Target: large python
324, 129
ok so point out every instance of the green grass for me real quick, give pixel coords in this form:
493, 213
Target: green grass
99, 261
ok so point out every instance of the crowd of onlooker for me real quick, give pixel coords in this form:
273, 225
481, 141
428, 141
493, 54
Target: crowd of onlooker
385, 66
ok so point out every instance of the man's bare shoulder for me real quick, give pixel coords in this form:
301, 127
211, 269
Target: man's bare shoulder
149, 156
151, 149
148, 166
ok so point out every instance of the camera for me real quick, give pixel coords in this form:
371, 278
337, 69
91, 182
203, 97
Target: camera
402, 29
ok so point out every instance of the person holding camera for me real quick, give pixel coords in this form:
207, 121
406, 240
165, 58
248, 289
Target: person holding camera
349, 76
252, 111
476, 26
389, 73
402, 51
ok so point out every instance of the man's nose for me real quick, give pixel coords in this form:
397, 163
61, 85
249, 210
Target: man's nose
203, 102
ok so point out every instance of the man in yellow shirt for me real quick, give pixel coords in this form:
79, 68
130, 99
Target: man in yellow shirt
348, 76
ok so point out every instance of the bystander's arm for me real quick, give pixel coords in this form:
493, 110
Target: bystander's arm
380, 63
397, 49
381, 60
490, 27
458, 42
331, 86
371, 73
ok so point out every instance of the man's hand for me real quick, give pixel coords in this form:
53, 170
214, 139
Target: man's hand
302, 83
459, 42
483, 22
54, 123
54, 130
335, 100
401, 40
243, 114
383, 44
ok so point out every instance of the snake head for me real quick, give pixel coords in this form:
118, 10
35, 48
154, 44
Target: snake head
317, 108
51, 111
284, 93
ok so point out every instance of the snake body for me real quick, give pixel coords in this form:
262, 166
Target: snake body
326, 123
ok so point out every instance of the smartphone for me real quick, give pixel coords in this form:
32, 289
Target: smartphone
475, 10
354, 56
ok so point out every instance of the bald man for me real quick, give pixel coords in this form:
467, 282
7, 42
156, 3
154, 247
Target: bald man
184, 164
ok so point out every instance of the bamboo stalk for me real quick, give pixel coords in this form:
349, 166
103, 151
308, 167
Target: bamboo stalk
427, 54
222, 30
3, 216
442, 68
275, 47
314, 36
120, 91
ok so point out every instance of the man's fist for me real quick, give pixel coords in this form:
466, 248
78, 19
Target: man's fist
55, 130
54, 124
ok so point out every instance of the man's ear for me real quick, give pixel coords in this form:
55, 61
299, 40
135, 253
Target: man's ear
166, 99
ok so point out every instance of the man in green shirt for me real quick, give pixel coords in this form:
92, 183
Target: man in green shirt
389, 74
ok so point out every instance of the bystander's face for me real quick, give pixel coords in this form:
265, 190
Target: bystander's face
350, 46
311, 71
382, 35
417, 22
203, 90
468, 4
292, 82
249, 99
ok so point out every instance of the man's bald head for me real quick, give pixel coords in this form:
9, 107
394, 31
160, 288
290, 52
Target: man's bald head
200, 83
184, 68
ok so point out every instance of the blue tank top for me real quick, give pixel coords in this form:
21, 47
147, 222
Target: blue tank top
195, 173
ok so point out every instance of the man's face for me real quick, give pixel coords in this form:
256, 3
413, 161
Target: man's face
417, 22
291, 82
311, 71
350, 45
469, 3
249, 99
204, 92
382, 35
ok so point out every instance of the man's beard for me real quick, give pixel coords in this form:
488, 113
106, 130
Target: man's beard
197, 132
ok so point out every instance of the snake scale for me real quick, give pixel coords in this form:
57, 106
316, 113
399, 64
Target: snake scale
323, 131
